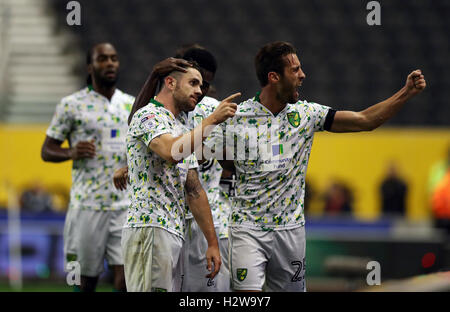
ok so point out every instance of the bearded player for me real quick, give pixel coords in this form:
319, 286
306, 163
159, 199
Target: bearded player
271, 139
163, 179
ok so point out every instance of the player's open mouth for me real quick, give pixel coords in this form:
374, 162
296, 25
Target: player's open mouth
110, 73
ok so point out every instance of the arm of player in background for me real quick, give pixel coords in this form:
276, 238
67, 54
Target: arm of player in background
53, 152
199, 206
374, 116
120, 178
160, 70
173, 149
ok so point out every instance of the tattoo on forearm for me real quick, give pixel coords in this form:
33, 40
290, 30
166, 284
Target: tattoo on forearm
193, 186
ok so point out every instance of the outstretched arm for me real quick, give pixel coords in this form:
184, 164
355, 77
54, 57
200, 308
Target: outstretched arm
374, 116
198, 204
149, 89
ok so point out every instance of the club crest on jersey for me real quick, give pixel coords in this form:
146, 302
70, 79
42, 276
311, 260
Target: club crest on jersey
241, 274
294, 119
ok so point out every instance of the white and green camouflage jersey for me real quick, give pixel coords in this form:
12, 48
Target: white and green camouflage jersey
222, 202
156, 185
271, 156
84, 116
210, 172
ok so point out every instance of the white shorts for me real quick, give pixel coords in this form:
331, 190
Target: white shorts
92, 236
194, 250
152, 259
70, 249
273, 261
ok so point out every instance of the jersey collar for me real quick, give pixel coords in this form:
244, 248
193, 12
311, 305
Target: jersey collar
156, 103
90, 88
258, 100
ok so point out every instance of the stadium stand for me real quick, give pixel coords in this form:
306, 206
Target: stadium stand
37, 67
349, 65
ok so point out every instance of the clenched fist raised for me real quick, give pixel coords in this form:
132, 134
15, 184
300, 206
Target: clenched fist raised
415, 83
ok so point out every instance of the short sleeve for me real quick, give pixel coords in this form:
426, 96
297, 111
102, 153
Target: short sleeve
152, 125
62, 121
318, 114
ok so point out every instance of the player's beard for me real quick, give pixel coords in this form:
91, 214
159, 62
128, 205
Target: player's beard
182, 100
287, 92
105, 81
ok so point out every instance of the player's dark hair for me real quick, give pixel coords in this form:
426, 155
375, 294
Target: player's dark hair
199, 54
139, 105
270, 59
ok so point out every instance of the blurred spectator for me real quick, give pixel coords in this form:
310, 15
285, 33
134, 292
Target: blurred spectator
440, 203
438, 171
393, 192
60, 197
35, 199
338, 199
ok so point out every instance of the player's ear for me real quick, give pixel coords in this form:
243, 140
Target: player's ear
273, 77
170, 82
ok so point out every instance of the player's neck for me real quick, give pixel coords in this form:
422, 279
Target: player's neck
269, 100
166, 99
107, 92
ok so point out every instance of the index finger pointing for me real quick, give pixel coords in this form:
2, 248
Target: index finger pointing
231, 97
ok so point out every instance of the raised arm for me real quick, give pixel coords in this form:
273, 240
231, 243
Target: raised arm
160, 70
374, 116
174, 149
198, 204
